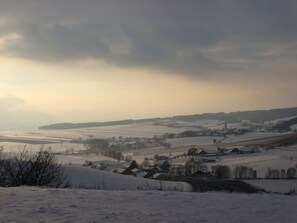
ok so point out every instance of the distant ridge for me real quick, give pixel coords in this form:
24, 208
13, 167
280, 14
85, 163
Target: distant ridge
255, 116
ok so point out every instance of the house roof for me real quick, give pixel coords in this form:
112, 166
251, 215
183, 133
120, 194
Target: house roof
156, 175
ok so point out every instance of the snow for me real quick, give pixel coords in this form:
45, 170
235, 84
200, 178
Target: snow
253, 135
31, 204
208, 140
86, 177
280, 120
294, 127
130, 130
206, 123
284, 157
200, 140
281, 186
75, 159
54, 147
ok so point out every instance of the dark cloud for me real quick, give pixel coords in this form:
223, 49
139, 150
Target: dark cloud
187, 37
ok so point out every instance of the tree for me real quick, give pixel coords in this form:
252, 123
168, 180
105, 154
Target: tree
291, 173
272, 173
192, 167
283, 174
97, 144
192, 151
28, 168
221, 171
244, 172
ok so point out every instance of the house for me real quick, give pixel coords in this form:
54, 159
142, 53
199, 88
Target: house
177, 170
201, 152
138, 173
249, 150
210, 153
208, 160
118, 170
159, 162
201, 173
159, 176
152, 171
235, 151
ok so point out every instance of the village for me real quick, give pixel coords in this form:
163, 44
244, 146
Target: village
203, 161
194, 163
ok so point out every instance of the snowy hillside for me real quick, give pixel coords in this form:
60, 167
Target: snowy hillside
30, 204
281, 186
87, 177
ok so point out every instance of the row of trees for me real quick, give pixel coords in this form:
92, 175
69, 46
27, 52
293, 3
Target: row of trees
32, 169
238, 172
244, 172
290, 173
113, 154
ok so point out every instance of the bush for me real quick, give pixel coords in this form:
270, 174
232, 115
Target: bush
33, 169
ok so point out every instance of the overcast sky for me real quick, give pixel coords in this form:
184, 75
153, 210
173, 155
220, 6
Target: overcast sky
91, 60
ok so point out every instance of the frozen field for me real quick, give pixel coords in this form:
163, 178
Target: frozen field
31, 204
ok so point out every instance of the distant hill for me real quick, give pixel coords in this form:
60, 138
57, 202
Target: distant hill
232, 117
285, 126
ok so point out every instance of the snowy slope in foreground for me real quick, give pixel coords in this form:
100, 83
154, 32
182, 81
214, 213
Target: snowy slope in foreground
87, 177
30, 204
282, 186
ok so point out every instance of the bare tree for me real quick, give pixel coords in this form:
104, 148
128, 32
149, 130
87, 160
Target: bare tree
273, 173
244, 172
283, 174
28, 168
291, 173
221, 171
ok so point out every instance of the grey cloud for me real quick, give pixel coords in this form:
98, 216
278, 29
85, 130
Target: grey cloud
177, 36
57, 42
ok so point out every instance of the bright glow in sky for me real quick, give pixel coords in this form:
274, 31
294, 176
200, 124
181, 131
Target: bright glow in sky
98, 61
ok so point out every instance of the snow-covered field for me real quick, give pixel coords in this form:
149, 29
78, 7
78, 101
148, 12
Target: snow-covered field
54, 147
208, 140
206, 123
280, 120
129, 130
294, 127
281, 186
284, 157
201, 140
43, 205
124, 198
86, 177
253, 135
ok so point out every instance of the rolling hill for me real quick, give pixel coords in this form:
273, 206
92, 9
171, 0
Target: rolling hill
232, 117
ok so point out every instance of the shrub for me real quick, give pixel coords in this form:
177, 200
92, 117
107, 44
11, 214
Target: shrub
33, 169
